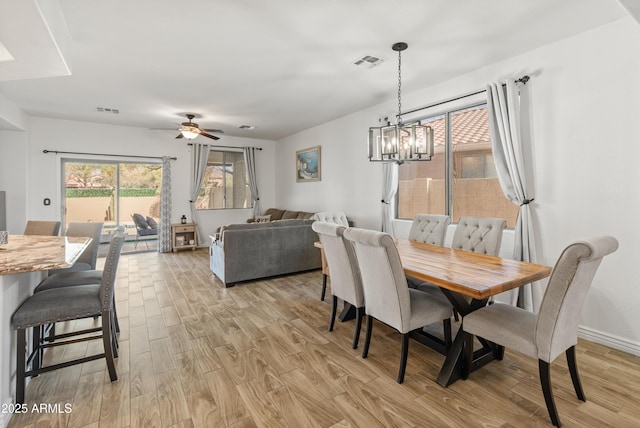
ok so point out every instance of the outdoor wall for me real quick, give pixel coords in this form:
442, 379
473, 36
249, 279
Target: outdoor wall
582, 102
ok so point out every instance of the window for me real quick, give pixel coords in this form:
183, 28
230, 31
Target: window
225, 183
461, 179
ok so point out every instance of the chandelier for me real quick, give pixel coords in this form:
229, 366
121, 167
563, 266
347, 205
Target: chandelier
400, 142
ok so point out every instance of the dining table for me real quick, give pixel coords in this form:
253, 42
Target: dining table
468, 280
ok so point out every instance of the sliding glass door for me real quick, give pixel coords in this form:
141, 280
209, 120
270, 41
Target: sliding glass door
111, 192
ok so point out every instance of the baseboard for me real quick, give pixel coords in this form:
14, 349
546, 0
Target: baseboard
614, 342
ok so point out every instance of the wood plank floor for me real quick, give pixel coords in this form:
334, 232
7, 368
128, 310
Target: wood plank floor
194, 354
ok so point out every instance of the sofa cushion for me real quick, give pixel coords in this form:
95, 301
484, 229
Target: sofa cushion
287, 215
275, 213
304, 215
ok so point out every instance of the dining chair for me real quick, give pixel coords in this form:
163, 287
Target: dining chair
43, 228
479, 234
554, 329
346, 283
387, 296
87, 260
336, 217
66, 304
429, 229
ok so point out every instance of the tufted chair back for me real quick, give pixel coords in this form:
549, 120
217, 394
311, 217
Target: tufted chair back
332, 217
429, 228
479, 235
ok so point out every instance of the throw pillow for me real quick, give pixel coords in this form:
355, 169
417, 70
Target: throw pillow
153, 224
263, 218
140, 221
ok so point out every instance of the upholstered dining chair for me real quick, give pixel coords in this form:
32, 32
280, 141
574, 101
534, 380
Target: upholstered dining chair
387, 296
336, 217
87, 260
430, 229
554, 329
479, 234
43, 228
66, 304
346, 283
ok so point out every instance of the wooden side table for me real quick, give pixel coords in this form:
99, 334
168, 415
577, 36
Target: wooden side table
184, 236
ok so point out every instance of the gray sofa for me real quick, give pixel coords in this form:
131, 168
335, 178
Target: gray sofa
241, 252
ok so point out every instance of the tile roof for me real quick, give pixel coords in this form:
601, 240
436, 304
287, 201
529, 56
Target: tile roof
469, 126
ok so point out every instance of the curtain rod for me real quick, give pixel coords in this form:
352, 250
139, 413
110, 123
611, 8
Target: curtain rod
105, 154
523, 80
228, 147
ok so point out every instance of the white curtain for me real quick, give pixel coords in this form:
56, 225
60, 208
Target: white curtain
507, 145
164, 228
199, 159
389, 189
250, 162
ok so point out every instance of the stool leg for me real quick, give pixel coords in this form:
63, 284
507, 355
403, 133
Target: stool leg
21, 365
107, 343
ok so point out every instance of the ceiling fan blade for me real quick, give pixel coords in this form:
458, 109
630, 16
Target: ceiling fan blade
179, 136
213, 137
163, 129
219, 131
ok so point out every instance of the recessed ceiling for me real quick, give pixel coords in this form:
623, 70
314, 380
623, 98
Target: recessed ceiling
282, 66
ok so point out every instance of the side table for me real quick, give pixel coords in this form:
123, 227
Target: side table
183, 236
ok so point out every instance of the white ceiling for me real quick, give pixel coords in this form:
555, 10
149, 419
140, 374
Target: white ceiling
280, 65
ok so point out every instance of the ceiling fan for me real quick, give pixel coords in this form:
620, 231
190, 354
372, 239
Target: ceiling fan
191, 130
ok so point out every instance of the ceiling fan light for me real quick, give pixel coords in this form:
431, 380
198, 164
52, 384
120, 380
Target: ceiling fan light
189, 133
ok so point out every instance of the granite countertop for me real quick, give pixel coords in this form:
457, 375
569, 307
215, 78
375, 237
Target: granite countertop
31, 253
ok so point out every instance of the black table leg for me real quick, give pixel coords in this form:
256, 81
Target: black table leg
348, 312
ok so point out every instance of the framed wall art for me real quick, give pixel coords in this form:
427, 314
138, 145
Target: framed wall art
308, 165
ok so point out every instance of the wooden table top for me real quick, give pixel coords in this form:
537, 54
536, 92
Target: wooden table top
31, 253
475, 275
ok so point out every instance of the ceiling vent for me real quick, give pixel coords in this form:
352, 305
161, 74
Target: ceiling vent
368, 61
108, 110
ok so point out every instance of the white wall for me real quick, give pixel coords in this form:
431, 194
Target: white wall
13, 164
44, 170
584, 107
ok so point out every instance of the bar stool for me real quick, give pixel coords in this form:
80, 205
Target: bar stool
66, 304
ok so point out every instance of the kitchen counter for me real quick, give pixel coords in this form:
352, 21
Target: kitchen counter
31, 253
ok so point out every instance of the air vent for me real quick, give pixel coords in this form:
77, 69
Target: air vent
108, 110
368, 61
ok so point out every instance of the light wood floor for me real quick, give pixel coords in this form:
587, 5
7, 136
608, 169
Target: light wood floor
194, 354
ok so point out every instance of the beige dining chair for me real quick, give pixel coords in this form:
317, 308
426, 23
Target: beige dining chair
554, 329
336, 217
43, 228
346, 283
387, 296
479, 235
88, 258
65, 304
430, 229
